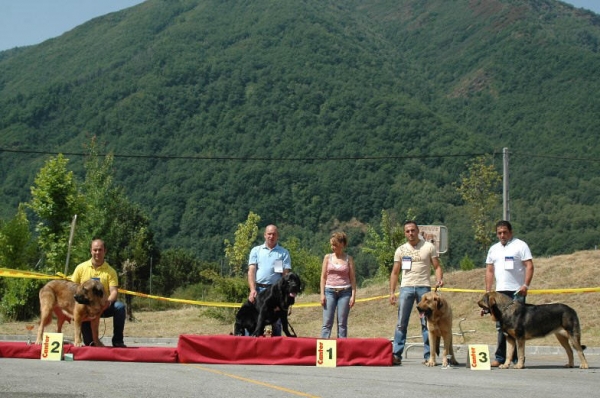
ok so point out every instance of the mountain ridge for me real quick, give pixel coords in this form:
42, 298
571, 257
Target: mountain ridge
333, 111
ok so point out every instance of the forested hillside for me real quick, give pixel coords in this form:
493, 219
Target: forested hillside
317, 114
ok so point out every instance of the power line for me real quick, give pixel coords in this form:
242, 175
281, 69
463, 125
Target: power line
236, 158
298, 159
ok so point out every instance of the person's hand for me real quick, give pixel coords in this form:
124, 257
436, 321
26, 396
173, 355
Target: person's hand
523, 290
323, 300
352, 301
440, 283
252, 296
392, 299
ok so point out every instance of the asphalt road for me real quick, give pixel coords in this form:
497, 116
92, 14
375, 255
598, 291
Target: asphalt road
544, 377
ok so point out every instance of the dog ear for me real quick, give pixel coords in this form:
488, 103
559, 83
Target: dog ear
440, 303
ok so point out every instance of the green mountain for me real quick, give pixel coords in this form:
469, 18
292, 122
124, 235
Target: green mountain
317, 114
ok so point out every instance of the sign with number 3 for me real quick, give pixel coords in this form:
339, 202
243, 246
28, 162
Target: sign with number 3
478, 357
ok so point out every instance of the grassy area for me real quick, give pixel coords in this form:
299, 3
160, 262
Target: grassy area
373, 316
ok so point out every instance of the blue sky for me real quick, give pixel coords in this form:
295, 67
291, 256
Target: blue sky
26, 22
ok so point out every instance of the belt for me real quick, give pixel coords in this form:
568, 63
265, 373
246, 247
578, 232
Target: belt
263, 284
339, 289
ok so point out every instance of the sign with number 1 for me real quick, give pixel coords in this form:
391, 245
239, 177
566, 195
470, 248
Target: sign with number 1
327, 353
52, 347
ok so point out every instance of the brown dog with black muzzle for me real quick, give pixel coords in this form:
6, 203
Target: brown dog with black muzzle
438, 314
70, 300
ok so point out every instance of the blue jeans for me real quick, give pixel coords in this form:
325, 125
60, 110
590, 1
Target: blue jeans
340, 300
501, 344
408, 297
118, 313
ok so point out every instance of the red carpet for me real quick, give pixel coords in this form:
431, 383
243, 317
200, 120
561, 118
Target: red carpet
225, 350
279, 351
129, 354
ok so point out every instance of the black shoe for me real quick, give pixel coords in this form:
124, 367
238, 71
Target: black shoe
397, 361
119, 345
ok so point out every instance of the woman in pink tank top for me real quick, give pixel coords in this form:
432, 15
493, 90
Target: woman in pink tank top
338, 286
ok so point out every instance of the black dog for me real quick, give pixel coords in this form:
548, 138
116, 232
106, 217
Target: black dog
270, 305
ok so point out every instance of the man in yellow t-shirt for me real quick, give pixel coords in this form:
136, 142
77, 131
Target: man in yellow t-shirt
97, 268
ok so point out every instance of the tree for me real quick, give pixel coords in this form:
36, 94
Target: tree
479, 190
383, 246
305, 264
55, 200
245, 236
17, 249
178, 268
18, 296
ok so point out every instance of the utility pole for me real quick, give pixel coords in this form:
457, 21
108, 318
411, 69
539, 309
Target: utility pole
505, 197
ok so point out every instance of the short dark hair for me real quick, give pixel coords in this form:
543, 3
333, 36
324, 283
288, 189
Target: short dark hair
504, 223
410, 222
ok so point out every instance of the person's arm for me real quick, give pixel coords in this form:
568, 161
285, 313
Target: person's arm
323, 279
252, 282
352, 281
287, 263
489, 277
439, 272
113, 293
394, 281
528, 277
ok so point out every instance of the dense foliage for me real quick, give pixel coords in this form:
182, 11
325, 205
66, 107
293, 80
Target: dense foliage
317, 115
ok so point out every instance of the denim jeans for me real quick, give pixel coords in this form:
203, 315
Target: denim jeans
501, 344
340, 300
118, 313
408, 297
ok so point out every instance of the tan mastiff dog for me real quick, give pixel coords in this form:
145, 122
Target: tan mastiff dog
69, 300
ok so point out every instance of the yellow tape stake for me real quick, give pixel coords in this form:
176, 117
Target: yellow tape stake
478, 357
327, 353
52, 347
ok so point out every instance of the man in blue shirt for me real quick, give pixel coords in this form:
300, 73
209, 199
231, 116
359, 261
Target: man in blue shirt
267, 264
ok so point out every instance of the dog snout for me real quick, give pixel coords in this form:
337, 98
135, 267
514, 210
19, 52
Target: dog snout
81, 299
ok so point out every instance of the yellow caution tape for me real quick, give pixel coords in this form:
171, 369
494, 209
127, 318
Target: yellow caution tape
10, 273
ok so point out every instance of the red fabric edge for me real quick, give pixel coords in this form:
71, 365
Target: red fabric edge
279, 351
225, 349
129, 354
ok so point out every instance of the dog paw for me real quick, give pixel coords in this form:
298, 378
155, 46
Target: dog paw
430, 363
504, 366
519, 366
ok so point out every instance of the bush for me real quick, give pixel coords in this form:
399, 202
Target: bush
20, 299
466, 264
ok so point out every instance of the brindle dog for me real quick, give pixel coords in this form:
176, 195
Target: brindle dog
521, 322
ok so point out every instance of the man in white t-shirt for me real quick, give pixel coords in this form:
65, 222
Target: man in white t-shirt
510, 263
